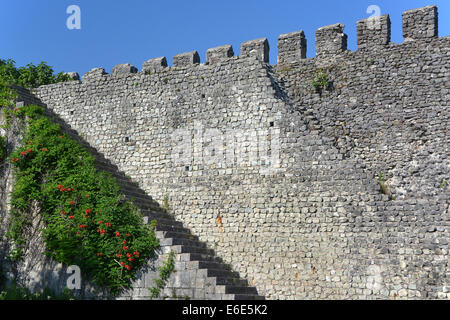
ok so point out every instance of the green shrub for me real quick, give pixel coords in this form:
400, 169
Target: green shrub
30, 76
88, 222
320, 81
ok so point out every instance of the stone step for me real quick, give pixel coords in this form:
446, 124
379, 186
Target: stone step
202, 264
230, 281
174, 234
198, 257
218, 273
181, 241
247, 297
188, 249
169, 227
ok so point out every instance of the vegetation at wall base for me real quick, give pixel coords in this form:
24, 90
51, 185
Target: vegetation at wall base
88, 222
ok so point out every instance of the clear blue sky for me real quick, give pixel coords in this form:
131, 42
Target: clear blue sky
133, 31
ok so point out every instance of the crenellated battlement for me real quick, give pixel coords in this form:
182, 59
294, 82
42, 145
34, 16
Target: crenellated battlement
418, 25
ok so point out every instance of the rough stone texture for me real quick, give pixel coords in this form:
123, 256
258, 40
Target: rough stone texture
258, 48
198, 272
374, 31
94, 74
420, 23
124, 69
214, 55
73, 75
186, 59
291, 47
281, 181
331, 39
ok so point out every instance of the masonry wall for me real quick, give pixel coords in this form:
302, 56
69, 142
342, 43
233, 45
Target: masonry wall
281, 179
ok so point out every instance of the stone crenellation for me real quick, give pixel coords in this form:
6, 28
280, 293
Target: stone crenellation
284, 181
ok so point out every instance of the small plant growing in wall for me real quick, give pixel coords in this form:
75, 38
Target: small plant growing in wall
320, 81
384, 186
164, 273
166, 205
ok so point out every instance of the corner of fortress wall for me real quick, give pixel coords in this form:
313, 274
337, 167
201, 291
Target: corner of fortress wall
319, 227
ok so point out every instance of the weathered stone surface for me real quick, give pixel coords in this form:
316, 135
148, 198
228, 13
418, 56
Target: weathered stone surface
186, 59
124, 69
291, 47
258, 48
375, 31
73, 75
331, 39
308, 217
420, 23
94, 74
154, 65
217, 54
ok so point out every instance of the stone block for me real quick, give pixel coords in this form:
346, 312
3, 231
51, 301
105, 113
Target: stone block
154, 65
374, 31
421, 23
291, 47
186, 59
331, 39
258, 48
124, 69
217, 54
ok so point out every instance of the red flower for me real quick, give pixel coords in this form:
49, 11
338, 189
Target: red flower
71, 217
118, 255
14, 159
124, 242
129, 255
87, 196
23, 153
99, 254
125, 248
72, 202
44, 149
102, 231
63, 212
101, 221
128, 267
136, 253
122, 263
60, 137
82, 226
117, 234
87, 211
30, 150
69, 189
130, 259
108, 224
128, 234
59, 187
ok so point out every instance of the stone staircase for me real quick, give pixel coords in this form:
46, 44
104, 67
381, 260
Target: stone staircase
200, 273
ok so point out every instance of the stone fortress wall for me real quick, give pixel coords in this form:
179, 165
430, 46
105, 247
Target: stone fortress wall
281, 179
